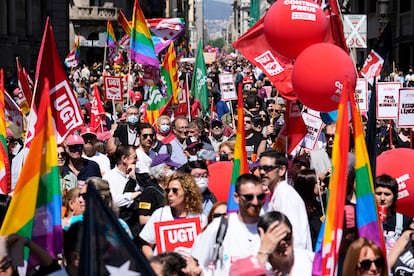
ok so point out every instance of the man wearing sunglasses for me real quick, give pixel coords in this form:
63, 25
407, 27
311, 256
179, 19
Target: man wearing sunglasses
285, 199
145, 154
241, 238
75, 163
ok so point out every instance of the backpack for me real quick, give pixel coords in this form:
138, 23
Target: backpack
159, 145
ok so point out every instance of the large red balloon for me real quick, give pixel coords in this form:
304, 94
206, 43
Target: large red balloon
219, 179
291, 26
318, 76
398, 163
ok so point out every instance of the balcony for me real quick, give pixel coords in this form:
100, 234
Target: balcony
92, 13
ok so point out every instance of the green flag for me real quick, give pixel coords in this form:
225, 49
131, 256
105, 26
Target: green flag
199, 81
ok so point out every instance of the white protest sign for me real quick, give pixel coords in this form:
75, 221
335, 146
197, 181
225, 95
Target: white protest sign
227, 87
113, 88
355, 30
406, 108
314, 125
387, 100
361, 94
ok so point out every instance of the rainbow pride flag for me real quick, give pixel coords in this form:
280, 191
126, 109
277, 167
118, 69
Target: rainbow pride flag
366, 213
240, 165
4, 158
73, 58
330, 235
110, 35
141, 45
35, 209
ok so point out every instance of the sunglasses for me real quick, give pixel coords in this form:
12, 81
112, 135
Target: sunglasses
267, 168
329, 136
274, 110
61, 155
174, 190
250, 197
366, 264
217, 215
145, 136
248, 122
74, 148
83, 195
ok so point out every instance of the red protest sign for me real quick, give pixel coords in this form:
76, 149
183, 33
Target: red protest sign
177, 235
113, 88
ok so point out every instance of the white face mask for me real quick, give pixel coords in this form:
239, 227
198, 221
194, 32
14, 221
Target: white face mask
192, 158
164, 128
202, 183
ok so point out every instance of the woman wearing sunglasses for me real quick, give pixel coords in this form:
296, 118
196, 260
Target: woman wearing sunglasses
364, 257
183, 199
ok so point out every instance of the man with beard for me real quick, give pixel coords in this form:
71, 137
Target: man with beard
284, 198
241, 237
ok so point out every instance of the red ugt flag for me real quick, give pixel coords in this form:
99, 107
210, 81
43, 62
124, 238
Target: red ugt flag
96, 109
254, 46
67, 116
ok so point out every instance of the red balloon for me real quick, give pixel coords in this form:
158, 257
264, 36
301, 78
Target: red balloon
290, 26
219, 179
318, 76
398, 164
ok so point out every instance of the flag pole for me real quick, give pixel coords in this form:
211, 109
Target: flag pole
187, 95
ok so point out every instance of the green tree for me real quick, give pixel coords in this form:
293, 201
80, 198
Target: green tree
219, 43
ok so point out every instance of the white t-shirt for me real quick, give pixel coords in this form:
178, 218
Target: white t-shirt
241, 240
117, 181
286, 200
102, 160
144, 161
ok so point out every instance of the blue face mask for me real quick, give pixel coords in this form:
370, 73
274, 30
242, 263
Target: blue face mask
132, 119
164, 128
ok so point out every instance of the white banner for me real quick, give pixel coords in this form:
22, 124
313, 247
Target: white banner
314, 125
406, 108
387, 100
361, 94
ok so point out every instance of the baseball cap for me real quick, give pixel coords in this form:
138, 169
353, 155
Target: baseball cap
87, 130
103, 136
249, 266
164, 159
74, 140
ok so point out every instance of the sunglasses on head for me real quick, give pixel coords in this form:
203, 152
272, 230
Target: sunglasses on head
366, 264
174, 190
217, 215
267, 168
250, 197
145, 136
74, 148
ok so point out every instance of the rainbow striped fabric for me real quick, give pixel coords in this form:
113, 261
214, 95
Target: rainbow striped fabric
368, 224
110, 35
35, 209
330, 235
240, 165
141, 45
161, 97
4, 158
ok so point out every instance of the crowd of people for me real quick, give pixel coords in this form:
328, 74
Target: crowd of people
155, 173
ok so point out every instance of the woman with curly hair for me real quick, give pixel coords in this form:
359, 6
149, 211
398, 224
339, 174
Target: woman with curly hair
183, 199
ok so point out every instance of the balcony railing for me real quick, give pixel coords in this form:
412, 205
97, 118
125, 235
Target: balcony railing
92, 13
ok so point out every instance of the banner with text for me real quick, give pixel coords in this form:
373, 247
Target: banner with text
361, 94
314, 125
406, 108
177, 235
387, 99
113, 88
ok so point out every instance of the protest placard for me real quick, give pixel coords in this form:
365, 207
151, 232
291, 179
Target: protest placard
314, 126
387, 99
406, 108
361, 94
113, 88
